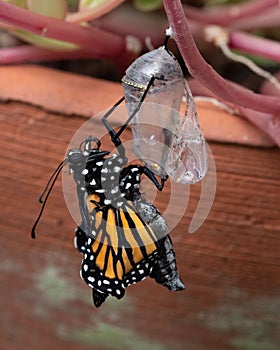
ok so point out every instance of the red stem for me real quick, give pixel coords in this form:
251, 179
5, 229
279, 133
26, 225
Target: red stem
28, 53
126, 20
268, 88
227, 14
266, 122
255, 45
202, 71
266, 19
97, 42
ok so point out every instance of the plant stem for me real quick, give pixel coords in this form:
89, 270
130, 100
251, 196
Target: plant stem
98, 42
255, 45
266, 122
226, 15
125, 20
266, 19
92, 13
202, 71
28, 53
269, 89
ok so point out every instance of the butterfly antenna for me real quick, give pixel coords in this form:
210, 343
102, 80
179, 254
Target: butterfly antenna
58, 169
47, 190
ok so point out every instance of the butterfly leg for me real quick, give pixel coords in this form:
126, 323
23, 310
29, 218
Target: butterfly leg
150, 84
115, 136
152, 177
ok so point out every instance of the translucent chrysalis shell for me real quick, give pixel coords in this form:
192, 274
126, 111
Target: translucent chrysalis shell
166, 142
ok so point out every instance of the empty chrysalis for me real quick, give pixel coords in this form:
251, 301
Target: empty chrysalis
167, 142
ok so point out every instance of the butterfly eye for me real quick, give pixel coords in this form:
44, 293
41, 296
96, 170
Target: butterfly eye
75, 156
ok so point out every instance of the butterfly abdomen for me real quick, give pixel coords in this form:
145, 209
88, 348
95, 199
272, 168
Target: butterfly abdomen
165, 270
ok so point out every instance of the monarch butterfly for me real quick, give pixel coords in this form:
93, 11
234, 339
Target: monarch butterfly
122, 236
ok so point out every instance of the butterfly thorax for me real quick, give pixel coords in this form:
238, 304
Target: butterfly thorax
111, 180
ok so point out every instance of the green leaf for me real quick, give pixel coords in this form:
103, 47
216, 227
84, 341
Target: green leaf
19, 3
90, 4
51, 8
147, 5
45, 43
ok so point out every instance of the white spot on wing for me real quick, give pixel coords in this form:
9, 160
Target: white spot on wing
114, 190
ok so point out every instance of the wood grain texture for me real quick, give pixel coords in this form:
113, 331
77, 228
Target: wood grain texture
70, 94
230, 265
